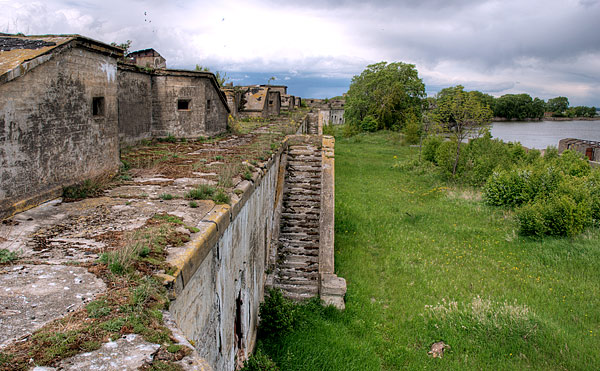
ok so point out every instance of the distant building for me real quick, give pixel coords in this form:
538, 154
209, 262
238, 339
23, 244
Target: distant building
588, 148
260, 101
162, 102
148, 58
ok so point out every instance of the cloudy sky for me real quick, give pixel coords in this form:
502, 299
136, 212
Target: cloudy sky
545, 48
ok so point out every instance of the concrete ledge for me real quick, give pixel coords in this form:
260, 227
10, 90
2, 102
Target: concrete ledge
212, 227
331, 288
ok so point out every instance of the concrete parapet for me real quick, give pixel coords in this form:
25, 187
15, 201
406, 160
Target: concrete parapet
331, 288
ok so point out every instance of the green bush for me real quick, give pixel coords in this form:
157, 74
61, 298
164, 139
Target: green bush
508, 187
369, 124
559, 215
445, 157
430, 146
573, 163
483, 156
259, 361
277, 314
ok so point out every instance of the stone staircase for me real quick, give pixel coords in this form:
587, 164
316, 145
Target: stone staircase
297, 267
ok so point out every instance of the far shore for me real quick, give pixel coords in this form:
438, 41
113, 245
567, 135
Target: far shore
502, 119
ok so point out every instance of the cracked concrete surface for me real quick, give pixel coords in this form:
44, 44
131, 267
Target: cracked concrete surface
33, 295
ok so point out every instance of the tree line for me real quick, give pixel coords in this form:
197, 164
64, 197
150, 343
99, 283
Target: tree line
392, 96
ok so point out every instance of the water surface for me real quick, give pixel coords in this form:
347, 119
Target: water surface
541, 134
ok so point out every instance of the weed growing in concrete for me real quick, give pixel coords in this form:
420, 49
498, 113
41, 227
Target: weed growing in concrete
220, 197
7, 256
193, 204
226, 174
201, 192
247, 174
218, 158
88, 188
166, 196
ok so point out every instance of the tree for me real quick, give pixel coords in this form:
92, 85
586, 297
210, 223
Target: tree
390, 94
125, 46
558, 104
461, 114
221, 78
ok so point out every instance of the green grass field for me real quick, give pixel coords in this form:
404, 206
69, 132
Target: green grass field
426, 261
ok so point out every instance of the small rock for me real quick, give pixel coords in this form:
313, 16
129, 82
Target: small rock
437, 349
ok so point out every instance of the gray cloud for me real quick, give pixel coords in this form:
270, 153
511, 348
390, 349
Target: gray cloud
551, 47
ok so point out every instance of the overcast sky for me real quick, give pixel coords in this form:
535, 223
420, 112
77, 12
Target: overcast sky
545, 48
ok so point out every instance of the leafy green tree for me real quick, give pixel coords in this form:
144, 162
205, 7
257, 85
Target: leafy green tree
390, 94
221, 78
558, 104
462, 115
519, 106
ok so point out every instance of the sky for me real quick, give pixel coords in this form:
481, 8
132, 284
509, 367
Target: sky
545, 48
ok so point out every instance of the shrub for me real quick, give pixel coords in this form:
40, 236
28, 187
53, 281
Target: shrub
573, 163
445, 157
277, 314
483, 156
259, 361
430, 146
559, 215
508, 188
369, 124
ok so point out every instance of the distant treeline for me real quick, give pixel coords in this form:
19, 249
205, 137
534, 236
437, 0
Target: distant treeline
524, 107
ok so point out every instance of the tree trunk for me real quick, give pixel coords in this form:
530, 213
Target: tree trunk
456, 159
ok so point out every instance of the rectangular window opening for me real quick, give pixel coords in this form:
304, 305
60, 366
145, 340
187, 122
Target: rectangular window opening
270, 103
98, 106
208, 104
183, 104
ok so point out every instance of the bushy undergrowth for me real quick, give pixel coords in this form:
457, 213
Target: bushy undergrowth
552, 195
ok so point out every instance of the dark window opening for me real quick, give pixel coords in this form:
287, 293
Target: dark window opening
98, 106
183, 104
270, 103
208, 104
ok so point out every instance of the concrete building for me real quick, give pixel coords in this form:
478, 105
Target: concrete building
234, 98
287, 102
187, 104
260, 101
58, 115
163, 102
147, 58
588, 148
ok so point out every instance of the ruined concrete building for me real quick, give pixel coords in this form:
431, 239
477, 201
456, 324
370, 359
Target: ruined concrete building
260, 101
66, 104
332, 112
589, 148
147, 58
58, 116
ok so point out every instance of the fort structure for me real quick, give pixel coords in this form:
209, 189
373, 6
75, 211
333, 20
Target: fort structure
590, 149
72, 111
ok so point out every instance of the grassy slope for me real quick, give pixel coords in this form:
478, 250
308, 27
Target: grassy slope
404, 242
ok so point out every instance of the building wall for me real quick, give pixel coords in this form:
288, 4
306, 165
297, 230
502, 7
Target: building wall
273, 103
48, 135
135, 106
337, 116
229, 284
200, 118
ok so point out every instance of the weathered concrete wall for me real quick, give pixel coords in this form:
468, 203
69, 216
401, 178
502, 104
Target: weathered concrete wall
49, 136
135, 105
273, 103
218, 306
205, 113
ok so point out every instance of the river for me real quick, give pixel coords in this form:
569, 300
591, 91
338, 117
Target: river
541, 134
